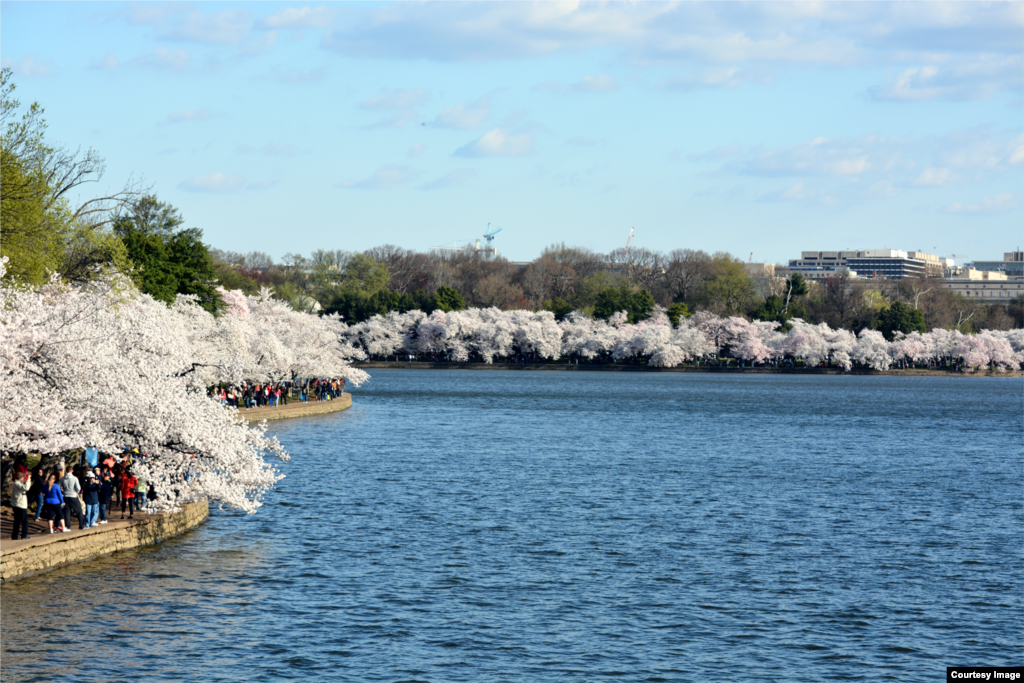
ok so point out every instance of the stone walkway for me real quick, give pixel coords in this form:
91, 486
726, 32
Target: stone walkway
39, 534
296, 408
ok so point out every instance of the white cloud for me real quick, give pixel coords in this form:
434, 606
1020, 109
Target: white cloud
182, 23
290, 75
395, 99
980, 78
934, 177
109, 62
190, 115
715, 77
218, 182
840, 170
270, 149
456, 177
262, 184
497, 142
599, 83
999, 203
163, 58
960, 51
387, 177
298, 18
27, 66
928, 161
799, 193
464, 116
416, 150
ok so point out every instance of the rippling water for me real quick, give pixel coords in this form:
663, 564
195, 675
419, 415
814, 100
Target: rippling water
468, 526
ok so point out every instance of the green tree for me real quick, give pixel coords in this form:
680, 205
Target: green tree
612, 300
677, 311
728, 291
168, 260
364, 274
39, 229
637, 305
641, 306
796, 286
559, 306
449, 299
899, 317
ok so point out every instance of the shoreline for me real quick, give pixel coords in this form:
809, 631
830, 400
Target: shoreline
564, 367
45, 552
296, 408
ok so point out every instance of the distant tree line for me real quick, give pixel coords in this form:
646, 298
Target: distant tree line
359, 285
131, 230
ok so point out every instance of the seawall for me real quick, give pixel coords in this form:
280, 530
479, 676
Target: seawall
721, 369
46, 552
296, 408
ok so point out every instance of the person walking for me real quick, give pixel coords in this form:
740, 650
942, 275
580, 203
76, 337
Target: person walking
128, 484
19, 504
53, 501
36, 492
71, 489
91, 495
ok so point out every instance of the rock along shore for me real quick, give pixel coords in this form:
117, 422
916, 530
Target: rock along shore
296, 408
726, 369
44, 552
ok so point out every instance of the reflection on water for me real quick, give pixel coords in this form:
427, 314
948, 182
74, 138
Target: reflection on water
580, 526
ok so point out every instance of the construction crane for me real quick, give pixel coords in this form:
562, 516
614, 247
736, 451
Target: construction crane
489, 235
630, 238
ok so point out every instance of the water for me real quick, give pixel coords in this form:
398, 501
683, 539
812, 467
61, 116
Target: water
507, 526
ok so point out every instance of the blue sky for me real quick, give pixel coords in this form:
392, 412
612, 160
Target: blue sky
767, 127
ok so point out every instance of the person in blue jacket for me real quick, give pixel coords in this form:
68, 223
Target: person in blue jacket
53, 501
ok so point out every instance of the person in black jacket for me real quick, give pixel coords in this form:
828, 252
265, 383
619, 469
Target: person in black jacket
106, 490
91, 495
37, 493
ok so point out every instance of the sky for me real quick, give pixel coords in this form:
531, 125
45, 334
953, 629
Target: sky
761, 129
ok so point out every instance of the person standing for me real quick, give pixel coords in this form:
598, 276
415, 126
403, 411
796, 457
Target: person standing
140, 494
19, 504
106, 491
91, 495
128, 484
71, 489
36, 492
54, 501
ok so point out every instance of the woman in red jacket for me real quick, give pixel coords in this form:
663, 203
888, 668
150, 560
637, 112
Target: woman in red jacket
128, 484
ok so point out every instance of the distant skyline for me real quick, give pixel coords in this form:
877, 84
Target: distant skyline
769, 128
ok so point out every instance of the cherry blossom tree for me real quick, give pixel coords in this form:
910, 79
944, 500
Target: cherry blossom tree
101, 364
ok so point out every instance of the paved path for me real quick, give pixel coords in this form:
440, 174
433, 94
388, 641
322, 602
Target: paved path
39, 532
297, 408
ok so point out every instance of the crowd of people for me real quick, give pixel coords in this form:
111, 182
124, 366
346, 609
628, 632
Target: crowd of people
90, 491
271, 394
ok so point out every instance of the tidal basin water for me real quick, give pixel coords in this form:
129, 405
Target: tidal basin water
574, 526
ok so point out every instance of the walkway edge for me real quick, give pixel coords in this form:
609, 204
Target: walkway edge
297, 409
58, 550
